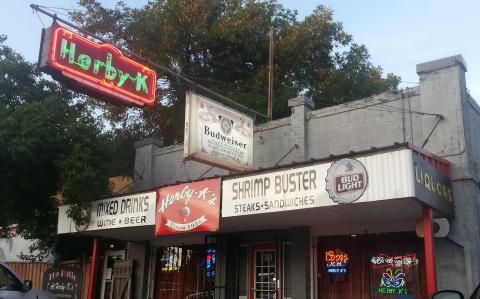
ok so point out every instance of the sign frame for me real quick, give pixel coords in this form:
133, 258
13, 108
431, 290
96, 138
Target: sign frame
188, 207
95, 77
233, 127
112, 213
63, 281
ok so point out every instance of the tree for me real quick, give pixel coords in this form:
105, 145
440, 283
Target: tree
223, 44
50, 145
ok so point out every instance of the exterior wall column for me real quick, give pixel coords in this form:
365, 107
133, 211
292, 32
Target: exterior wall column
429, 245
144, 174
301, 108
94, 269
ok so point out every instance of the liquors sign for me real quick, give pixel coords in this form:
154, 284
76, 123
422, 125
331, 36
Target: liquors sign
190, 207
99, 70
217, 135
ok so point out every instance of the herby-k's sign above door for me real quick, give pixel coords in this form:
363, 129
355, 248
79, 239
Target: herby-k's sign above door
189, 207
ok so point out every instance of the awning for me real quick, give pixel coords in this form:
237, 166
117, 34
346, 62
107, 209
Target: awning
369, 190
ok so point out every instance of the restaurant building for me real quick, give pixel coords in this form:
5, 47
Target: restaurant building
339, 204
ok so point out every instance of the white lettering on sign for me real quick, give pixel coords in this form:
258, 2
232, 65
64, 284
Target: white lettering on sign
170, 199
348, 183
189, 207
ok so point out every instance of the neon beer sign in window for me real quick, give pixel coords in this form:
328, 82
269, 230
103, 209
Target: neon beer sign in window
336, 261
98, 69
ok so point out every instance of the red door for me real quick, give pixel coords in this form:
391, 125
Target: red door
264, 275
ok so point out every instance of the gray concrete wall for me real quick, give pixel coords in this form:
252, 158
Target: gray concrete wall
437, 114
450, 256
299, 263
373, 122
471, 182
443, 90
139, 253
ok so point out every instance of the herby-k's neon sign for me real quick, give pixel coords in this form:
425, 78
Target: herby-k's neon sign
99, 70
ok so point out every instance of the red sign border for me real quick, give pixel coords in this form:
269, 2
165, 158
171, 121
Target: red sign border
96, 83
216, 180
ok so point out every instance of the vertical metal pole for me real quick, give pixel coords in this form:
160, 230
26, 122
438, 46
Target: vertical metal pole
94, 269
270, 77
429, 244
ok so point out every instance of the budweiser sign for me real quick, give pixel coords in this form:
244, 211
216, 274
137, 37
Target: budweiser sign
99, 70
190, 207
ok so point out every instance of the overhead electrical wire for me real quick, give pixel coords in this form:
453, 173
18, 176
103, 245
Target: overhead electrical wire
169, 71
355, 106
388, 108
40, 19
223, 82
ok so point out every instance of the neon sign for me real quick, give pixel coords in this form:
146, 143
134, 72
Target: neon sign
392, 282
99, 70
209, 264
402, 261
336, 261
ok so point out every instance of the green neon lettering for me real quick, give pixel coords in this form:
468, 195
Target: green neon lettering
97, 65
84, 61
123, 77
110, 71
67, 51
141, 83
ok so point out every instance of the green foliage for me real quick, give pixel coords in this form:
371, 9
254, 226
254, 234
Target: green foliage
50, 144
54, 142
223, 44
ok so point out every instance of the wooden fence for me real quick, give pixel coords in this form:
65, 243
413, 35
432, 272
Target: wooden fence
34, 272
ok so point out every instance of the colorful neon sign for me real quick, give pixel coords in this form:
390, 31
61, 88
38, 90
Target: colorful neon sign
209, 264
336, 261
402, 261
97, 69
392, 282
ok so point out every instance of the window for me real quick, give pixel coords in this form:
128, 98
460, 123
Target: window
8, 282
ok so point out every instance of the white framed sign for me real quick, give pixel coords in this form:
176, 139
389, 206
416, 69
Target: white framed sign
376, 177
117, 212
217, 135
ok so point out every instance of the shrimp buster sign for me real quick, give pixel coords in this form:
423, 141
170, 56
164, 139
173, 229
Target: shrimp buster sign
189, 207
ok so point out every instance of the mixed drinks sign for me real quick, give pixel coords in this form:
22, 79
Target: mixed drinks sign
117, 212
217, 135
99, 70
190, 207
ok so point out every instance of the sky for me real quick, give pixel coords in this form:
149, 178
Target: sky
398, 33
